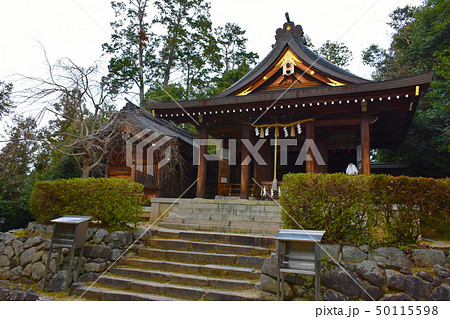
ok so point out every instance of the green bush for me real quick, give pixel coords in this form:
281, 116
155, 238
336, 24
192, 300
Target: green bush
366, 209
337, 203
114, 202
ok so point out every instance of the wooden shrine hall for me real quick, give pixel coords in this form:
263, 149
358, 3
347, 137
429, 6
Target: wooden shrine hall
295, 94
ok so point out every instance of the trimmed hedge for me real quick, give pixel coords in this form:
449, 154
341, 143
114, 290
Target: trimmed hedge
366, 209
112, 201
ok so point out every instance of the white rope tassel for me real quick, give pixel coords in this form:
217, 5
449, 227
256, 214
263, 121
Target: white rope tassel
256, 131
299, 129
267, 131
286, 133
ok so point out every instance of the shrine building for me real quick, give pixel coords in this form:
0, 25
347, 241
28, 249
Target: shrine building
295, 94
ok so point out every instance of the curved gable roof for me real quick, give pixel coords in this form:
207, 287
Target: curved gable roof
290, 45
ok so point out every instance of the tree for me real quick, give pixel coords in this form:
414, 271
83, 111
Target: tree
233, 51
420, 42
131, 49
184, 22
18, 157
82, 115
336, 53
230, 77
6, 104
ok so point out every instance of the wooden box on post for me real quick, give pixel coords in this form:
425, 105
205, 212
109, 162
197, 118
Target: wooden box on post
69, 232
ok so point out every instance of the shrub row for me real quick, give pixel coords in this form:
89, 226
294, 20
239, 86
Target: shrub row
366, 209
114, 202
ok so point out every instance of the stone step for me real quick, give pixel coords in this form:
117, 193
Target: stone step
275, 217
221, 223
105, 294
223, 229
184, 279
271, 210
188, 268
175, 291
202, 258
199, 246
217, 237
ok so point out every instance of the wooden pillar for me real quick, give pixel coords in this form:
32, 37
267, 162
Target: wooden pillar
245, 168
310, 134
201, 168
322, 145
223, 180
365, 144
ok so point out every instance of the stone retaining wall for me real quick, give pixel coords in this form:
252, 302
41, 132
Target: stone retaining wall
359, 274
24, 258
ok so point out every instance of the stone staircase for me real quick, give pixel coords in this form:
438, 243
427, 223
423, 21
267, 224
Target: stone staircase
187, 265
225, 215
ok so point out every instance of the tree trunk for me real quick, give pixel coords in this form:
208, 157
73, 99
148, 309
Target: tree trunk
169, 66
141, 59
85, 173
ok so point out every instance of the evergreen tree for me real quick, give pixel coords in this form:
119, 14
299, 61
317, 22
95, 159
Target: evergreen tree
420, 43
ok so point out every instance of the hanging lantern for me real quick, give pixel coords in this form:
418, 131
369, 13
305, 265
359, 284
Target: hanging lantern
286, 132
277, 132
256, 131
267, 131
292, 131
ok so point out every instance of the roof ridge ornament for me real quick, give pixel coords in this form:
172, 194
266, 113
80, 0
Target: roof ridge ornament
290, 30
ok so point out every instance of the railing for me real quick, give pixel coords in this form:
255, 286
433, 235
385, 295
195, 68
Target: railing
234, 190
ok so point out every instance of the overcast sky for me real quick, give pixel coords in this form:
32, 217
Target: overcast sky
77, 28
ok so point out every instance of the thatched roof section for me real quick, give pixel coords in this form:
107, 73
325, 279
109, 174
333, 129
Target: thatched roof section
139, 119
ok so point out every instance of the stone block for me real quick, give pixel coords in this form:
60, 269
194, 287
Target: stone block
390, 254
33, 241
369, 271
341, 280
270, 265
371, 293
95, 267
441, 293
353, 254
98, 251
27, 271
331, 295
116, 253
37, 271
428, 257
4, 261
90, 234
37, 256
119, 239
330, 252
269, 284
99, 236
17, 246
397, 297
27, 256
425, 276
395, 280
58, 281
9, 251
15, 273
417, 288
6, 238
441, 271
